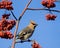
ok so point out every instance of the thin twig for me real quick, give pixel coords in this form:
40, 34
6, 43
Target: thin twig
25, 9
25, 41
13, 15
43, 9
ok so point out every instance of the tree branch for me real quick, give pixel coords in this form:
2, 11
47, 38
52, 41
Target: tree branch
25, 9
13, 15
43, 9
13, 44
25, 41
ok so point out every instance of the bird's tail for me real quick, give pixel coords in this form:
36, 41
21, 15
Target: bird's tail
17, 39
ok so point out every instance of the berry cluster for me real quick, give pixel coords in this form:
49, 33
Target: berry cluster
6, 24
5, 16
36, 45
6, 5
50, 17
6, 34
48, 4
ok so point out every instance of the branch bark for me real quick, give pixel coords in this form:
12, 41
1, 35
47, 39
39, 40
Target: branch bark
25, 9
25, 41
13, 44
13, 15
43, 9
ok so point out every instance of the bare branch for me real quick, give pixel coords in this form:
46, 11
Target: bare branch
13, 44
43, 9
25, 9
25, 41
13, 15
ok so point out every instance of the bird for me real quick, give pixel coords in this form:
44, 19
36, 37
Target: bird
27, 32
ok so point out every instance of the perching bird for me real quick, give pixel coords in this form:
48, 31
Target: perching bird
27, 32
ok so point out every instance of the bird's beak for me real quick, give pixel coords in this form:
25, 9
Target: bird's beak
36, 24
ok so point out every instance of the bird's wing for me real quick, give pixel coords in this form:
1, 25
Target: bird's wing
25, 31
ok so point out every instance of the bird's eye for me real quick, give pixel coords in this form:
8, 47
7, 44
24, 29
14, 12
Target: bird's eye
33, 24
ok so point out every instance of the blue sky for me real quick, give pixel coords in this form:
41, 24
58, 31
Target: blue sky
47, 33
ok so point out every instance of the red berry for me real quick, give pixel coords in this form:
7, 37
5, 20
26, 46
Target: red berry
5, 16
12, 22
0, 25
9, 26
48, 16
8, 32
0, 28
2, 7
53, 5
5, 28
9, 3
36, 45
44, 3
50, 5
4, 23
10, 36
1, 34
9, 7
53, 17
1, 4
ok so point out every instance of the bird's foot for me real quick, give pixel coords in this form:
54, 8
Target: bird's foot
29, 40
21, 41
